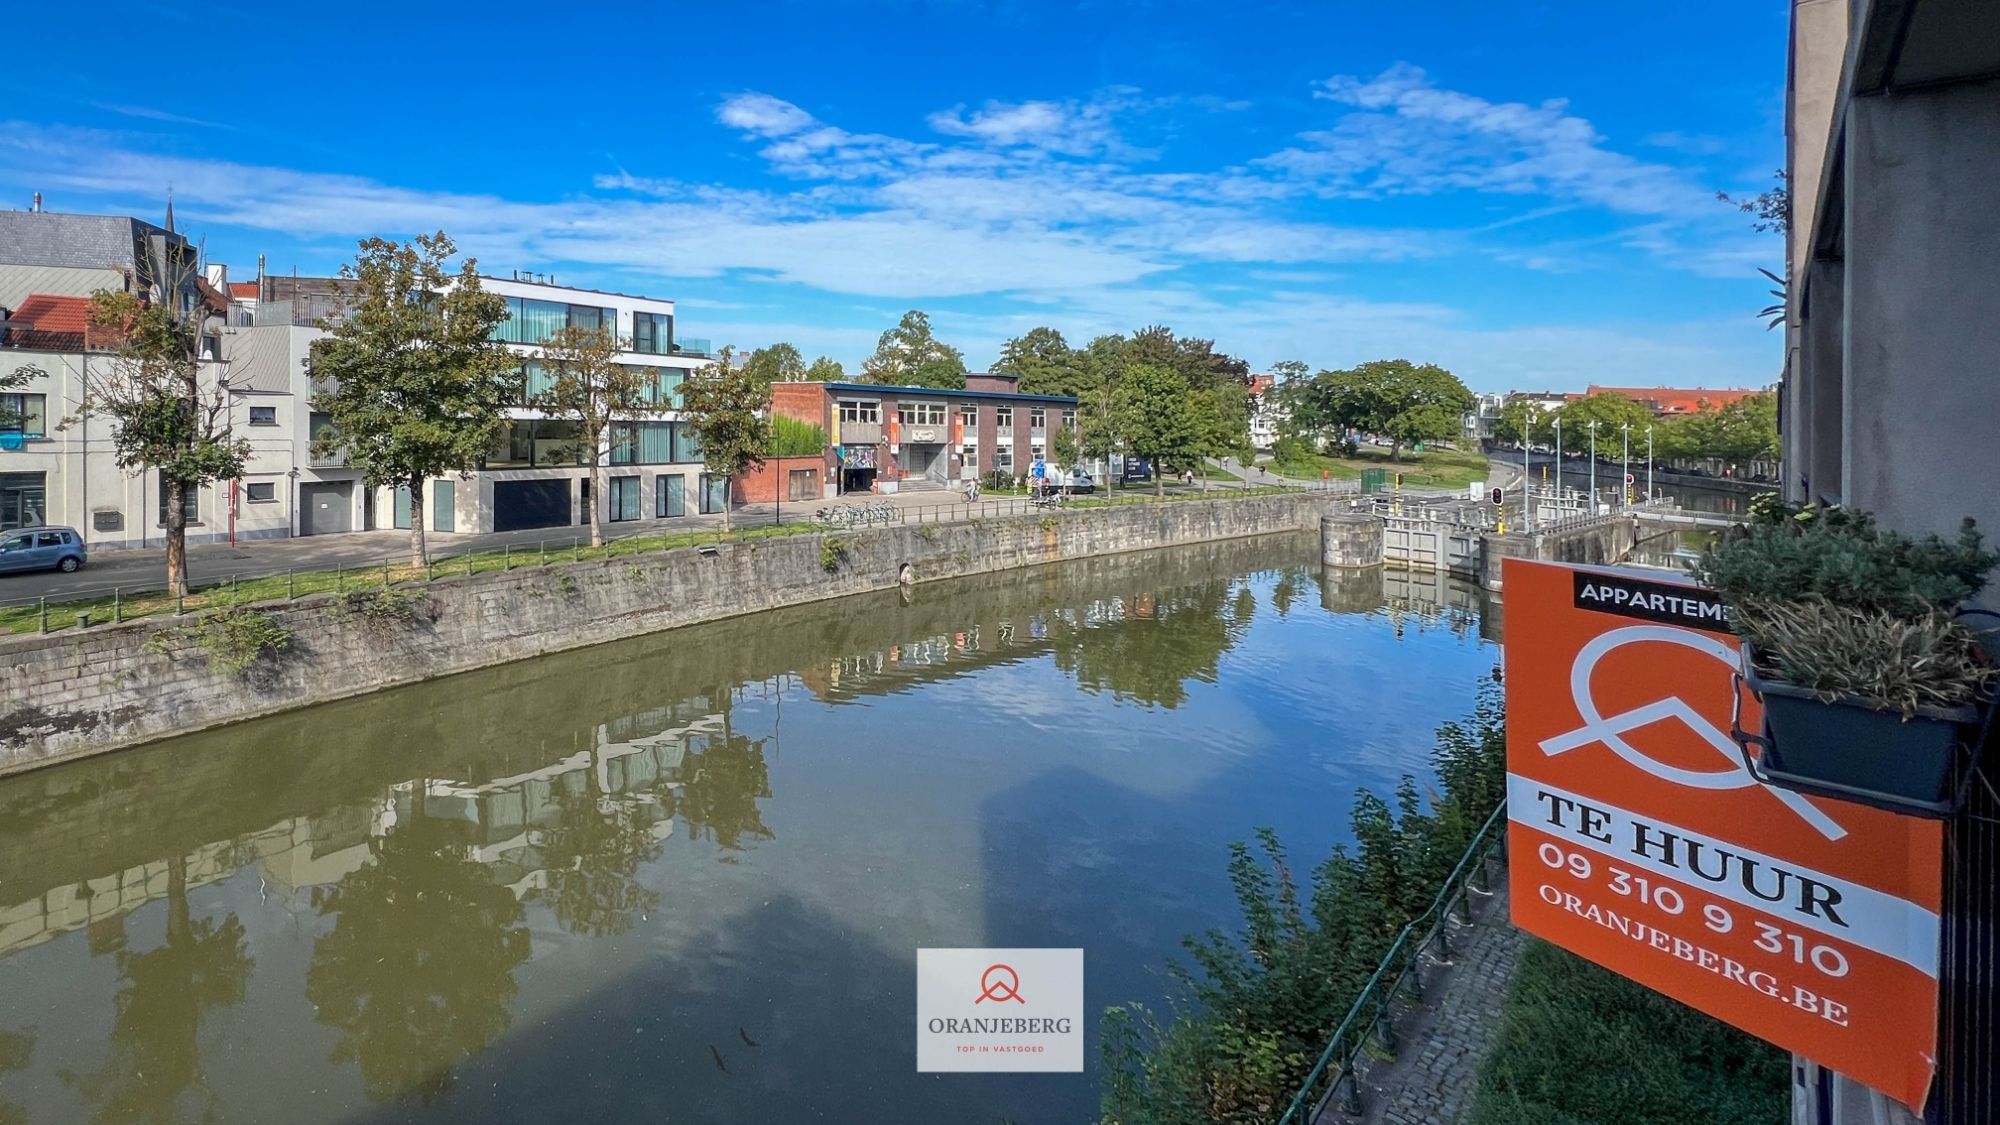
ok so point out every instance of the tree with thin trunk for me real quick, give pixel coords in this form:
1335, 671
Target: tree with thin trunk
412, 380
726, 409
168, 401
588, 386
1157, 416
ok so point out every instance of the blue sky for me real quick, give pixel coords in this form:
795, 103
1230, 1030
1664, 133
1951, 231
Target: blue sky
1523, 192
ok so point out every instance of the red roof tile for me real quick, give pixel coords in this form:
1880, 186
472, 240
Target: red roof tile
1677, 400
44, 313
243, 290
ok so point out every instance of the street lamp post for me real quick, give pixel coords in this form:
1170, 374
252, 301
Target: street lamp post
1527, 507
1649, 462
1625, 485
1559, 455
1593, 466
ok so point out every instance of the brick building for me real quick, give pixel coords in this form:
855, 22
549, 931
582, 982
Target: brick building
909, 438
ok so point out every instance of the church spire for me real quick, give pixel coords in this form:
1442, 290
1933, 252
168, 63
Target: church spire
170, 209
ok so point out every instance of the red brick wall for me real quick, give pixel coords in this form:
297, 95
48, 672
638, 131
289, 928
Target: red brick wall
762, 484
806, 402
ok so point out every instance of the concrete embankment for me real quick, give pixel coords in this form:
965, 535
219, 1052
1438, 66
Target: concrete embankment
72, 694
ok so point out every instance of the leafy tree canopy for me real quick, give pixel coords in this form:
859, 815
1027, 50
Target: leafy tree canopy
1044, 363
725, 407
826, 369
1399, 400
908, 355
779, 363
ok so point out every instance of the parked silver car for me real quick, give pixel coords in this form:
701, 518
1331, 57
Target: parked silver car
41, 548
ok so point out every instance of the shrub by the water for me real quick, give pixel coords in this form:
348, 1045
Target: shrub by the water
1256, 1009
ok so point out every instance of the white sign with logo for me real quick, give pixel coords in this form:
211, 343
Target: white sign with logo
923, 435
1000, 1010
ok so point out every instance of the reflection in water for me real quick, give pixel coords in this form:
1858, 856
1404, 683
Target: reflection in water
461, 893
419, 966
154, 1071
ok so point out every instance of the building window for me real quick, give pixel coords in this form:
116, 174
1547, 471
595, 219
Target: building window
666, 387
536, 443
652, 333
642, 443
860, 410
1037, 418
263, 415
1069, 419
26, 415
530, 321
624, 499
22, 499
714, 493
190, 504
260, 491
671, 501
1003, 459
920, 413
1035, 451
968, 416
1003, 419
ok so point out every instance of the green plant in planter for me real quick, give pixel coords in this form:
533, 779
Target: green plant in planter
1839, 554
1890, 661
1871, 685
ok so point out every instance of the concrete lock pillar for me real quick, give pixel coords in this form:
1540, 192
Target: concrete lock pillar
1351, 540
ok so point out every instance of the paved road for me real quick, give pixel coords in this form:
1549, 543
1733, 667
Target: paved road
134, 570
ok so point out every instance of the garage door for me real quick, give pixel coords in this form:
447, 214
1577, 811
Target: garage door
326, 509
530, 503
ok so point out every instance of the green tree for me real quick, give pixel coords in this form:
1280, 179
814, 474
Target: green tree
825, 369
908, 355
779, 363
418, 968
1289, 369
1612, 413
1044, 363
1523, 420
169, 414
155, 1056
1157, 419
725, 408
411, 378
14, 380
587, 385
1748, 429
1065, 446
1151, 658
1394, 398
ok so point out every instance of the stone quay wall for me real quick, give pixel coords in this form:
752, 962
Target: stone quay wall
71, 694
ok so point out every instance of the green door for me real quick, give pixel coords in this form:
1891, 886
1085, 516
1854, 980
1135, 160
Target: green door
443, 504
402, 518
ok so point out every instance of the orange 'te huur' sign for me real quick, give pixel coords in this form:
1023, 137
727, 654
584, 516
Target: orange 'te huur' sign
1639, 841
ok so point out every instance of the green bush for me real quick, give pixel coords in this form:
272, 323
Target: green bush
232, 637
791, 437
997, 481
1291, 450
1259, 1007
832, 551
1580, 1045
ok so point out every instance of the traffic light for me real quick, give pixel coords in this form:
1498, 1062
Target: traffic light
1499, 496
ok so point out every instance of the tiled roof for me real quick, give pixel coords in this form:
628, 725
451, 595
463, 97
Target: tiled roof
1677, 400
243, 290
49, 323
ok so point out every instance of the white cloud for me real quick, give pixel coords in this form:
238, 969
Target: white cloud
1071, 128
1412, 137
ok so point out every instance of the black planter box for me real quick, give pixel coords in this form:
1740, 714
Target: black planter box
1851, 751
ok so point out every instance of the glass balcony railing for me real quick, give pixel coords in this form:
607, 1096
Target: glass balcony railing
693, 345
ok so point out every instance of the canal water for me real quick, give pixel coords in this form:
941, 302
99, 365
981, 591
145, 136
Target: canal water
683, 878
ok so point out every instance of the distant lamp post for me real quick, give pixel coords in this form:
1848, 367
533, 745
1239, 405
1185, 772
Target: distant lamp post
1649, 462
1593, 466
1625, 485
1559, 454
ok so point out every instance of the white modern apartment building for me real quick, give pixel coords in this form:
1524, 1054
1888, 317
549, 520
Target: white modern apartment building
536, 475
